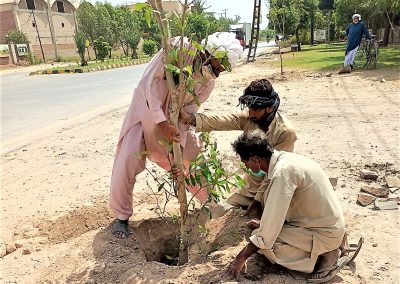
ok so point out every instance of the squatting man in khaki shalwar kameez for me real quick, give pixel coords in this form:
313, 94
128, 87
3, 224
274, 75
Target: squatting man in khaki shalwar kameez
302, 226
262, 103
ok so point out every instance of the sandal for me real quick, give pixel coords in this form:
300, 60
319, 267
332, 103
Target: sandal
120, 229
332, 271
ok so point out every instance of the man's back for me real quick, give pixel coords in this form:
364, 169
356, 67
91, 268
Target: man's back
300, 193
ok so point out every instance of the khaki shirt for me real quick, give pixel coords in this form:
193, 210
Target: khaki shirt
280, 133
299, 195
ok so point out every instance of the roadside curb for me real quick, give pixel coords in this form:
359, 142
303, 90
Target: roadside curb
90, 69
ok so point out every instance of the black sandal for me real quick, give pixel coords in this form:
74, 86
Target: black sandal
120, 229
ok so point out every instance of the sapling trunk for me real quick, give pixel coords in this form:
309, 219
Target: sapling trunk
177, 94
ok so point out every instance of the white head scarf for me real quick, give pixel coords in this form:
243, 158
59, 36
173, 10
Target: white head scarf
224, 41
357, 15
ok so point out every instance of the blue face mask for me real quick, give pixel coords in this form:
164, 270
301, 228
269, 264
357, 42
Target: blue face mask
260, 173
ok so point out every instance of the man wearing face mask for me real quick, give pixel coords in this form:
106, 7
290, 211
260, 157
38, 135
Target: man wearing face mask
302, 226
146, 123
259, 104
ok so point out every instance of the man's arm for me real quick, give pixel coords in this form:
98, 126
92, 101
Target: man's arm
206, 123
237, 265
366, 32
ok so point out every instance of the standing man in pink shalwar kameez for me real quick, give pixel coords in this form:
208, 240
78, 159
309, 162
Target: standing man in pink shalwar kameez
146, 123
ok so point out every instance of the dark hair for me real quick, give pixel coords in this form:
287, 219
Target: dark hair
251, 144
259, 95
259, 88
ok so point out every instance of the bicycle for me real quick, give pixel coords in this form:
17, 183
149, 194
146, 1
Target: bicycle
367, 53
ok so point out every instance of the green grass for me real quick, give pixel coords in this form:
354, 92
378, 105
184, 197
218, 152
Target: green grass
92, 64
326, 57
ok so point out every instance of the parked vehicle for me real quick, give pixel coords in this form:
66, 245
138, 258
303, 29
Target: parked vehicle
243, 33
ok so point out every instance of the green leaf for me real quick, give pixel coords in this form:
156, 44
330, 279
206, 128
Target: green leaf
192, 52
161, 186
140, 6
188, 69
220, 54
192, 180
147, 16
196, 100
197, 45
172, 68
205, 208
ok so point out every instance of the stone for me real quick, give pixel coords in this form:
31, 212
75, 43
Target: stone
374, 245
376, 191
365, 200
383, 80
10, 247
26, 251
392, 181
3, 250
18, 245
99, 268
333, 181
385, 204
328, 74
393, 189
367, 174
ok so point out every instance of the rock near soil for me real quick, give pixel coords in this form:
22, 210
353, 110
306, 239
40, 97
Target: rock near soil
365, 200
376, 191
367, 174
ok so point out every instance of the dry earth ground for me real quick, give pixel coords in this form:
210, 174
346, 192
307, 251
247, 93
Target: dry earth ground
54, 190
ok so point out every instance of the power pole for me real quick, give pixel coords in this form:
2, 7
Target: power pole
255, 29
225, 12
53, 36
38, 35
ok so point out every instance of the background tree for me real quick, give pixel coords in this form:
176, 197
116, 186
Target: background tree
80, 41
16, 36
87, 23
102, 47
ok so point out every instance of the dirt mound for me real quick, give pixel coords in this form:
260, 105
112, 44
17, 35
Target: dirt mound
76, 223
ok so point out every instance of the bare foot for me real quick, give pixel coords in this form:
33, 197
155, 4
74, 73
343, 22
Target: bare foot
344, 246
326, 260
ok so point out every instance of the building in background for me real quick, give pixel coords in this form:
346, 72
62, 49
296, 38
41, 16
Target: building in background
34, 18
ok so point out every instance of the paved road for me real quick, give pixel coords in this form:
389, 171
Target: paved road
29, 103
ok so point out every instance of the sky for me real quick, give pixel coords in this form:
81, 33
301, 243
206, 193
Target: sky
243, 8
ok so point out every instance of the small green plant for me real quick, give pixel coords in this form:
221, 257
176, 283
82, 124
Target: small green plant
16, 36
149, 47
102, 48
32, 59
80, 41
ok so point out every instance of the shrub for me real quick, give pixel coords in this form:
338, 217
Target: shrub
149, 47
102, 48
32, 59
16, 36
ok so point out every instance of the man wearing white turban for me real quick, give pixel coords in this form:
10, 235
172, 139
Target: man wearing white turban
354, 33
146, 123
